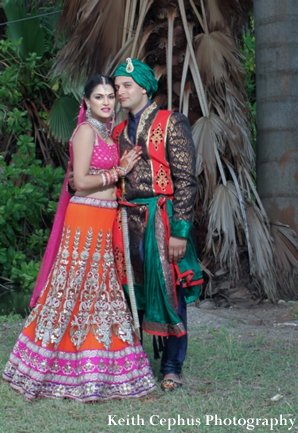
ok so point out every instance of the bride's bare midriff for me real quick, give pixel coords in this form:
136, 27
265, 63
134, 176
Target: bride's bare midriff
105, 193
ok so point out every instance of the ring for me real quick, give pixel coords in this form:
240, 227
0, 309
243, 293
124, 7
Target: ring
180, 253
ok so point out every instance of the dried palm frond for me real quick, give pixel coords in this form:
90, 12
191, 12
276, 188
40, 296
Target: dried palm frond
255, 193
219, 60
145, 35
262, 264
123, 53
193, 64
69, 16
170, 43
235, 13
143, 10
184, 76
286, 249
215, 18
224, 223
211, 136
93, 30
242, 197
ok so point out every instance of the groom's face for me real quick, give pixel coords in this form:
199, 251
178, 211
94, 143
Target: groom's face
131, 96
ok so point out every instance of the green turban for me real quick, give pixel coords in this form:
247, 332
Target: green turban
141, 73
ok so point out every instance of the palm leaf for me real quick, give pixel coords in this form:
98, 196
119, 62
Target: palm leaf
234, 12
211, 136
170, 42
145, 5
286, 241
184, 94
224, 218
193, 64
241, 194
218, 59
30, 31
62, 118
215, 18
262, 264
95, 38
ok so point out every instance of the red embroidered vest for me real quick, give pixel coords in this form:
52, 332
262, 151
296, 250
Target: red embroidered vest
162, 183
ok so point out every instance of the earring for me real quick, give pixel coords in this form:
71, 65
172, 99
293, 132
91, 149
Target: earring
88, 112
112, 121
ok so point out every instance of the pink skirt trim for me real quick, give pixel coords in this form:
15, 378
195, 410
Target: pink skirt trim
84, 376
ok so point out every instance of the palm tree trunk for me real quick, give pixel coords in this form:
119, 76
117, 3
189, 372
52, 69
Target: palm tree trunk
277, 101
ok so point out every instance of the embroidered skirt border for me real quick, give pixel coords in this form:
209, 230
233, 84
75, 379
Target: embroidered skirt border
93, 201
92, 375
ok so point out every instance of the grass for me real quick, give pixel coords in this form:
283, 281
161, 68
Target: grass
224, 376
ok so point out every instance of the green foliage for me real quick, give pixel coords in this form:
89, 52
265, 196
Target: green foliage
28, 200
30, 146
248, 49
27, 92
11, 318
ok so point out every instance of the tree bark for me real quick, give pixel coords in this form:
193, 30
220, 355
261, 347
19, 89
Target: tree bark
276, 35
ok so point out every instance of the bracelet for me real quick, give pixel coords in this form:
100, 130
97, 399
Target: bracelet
109, 177
128, 164
115, 174
104, 180
122, 169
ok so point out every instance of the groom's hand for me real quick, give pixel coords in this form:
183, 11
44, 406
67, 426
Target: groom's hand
71, 176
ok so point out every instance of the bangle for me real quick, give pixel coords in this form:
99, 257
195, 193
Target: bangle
122, 169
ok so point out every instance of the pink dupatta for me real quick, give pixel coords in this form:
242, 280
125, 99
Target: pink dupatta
56, 233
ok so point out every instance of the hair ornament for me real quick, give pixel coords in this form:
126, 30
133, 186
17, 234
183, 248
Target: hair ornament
104, 84
129, 65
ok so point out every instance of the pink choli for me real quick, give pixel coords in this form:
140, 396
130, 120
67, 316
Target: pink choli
104, 156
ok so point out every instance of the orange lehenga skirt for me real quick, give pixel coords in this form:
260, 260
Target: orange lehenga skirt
79, 341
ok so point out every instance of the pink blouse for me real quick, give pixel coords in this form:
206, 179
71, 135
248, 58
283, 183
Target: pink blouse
104, 156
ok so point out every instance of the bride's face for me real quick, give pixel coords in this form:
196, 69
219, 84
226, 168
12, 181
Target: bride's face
102, 102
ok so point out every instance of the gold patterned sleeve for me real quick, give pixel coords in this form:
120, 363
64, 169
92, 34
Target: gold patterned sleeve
182, 159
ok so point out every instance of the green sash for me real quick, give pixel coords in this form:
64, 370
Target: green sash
153, 296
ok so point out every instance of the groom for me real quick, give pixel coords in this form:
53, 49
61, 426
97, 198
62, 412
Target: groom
159, 197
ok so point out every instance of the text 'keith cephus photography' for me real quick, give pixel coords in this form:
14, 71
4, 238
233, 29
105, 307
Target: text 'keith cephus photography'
287, 422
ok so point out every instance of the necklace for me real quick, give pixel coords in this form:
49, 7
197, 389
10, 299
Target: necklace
101, 126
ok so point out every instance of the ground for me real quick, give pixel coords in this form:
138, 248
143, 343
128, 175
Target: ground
273, 321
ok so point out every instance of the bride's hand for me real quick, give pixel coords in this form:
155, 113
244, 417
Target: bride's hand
129, 159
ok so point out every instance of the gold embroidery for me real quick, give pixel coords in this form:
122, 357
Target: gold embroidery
110, 310
118, 219
46, 326
80, 325
182, 156
161, 178
164, 258
120, 263
102, 305
157, 136
143, 119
